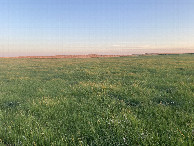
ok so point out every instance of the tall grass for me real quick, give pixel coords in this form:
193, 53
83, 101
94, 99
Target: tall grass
145, 100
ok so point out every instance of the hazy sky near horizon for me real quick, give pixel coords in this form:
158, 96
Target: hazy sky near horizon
50, 27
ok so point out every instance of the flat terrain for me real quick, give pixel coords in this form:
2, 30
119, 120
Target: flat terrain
145, 100
70, 56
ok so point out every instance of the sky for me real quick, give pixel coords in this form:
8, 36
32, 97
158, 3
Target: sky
57, 27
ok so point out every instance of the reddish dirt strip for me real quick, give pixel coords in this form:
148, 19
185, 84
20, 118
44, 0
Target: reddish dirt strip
94, 55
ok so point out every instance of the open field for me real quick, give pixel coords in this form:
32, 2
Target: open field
145, 100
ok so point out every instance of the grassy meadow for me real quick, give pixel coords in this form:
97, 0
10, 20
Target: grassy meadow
141, 100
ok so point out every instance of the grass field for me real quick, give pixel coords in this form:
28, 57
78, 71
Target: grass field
145, 100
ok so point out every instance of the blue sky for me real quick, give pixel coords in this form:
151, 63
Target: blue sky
50, 27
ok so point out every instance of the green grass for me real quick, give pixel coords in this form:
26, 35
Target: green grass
145, 100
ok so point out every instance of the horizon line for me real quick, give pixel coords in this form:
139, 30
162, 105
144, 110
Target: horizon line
93, 55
